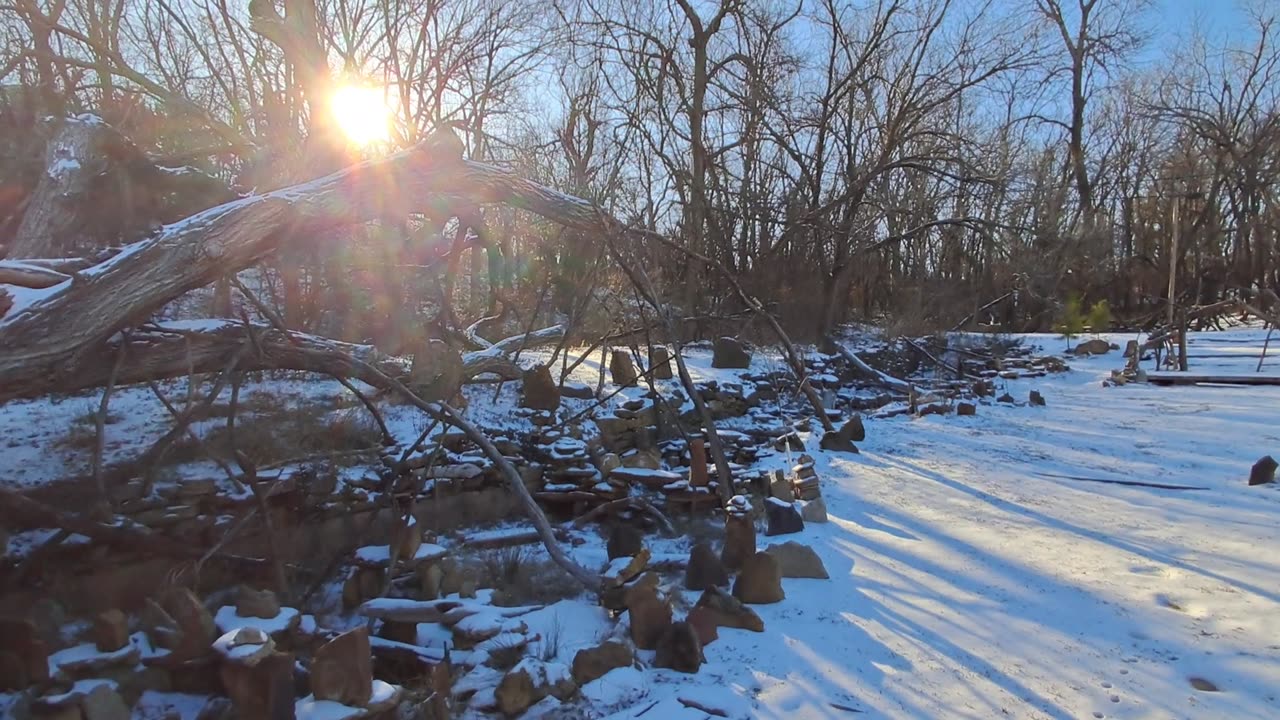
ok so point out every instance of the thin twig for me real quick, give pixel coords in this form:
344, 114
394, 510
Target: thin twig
387, 437
100, 427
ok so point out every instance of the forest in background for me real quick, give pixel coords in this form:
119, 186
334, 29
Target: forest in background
922, 163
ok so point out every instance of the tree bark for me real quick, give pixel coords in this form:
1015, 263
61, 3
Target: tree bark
177, 349
55, 221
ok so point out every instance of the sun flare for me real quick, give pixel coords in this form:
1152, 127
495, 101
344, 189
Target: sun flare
362, 113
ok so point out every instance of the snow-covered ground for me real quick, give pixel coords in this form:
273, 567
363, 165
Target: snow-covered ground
975, 574
972, 579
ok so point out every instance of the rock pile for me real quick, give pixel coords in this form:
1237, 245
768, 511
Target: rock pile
570, 476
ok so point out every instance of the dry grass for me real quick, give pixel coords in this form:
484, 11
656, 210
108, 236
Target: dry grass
268, 433
506, 655
83, 433
520, 578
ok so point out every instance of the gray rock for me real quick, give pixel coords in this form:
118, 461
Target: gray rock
784, 518
624, 541
814, 511
679, 648
704, 569
730, 353
760, 581
797, 560
1264, 471
592, 663
540, 391
104, 703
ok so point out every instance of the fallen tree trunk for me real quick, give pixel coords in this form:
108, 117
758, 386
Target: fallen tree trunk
881, 378
177, 349
59, 330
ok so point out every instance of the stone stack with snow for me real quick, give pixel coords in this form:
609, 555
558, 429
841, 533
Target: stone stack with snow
571, 478
739, 533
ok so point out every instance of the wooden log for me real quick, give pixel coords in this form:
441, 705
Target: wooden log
29, 275
175, 349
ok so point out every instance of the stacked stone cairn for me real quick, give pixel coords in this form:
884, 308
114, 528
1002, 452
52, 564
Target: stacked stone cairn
570, 476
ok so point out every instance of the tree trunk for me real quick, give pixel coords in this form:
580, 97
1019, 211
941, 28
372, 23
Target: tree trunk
56, 222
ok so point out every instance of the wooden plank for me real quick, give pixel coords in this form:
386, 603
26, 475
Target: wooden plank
1181, 378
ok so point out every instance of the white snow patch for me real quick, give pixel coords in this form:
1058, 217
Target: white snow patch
155, 705
309, 708
227, 619
616, 688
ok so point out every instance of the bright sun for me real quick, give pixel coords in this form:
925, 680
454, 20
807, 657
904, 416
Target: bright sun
362, 113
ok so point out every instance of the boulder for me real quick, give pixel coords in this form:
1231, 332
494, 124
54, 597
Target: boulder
592, 663
704, 569
1006, 399
679, 648
797, 560
843, 439
539, 390
263, 690
780, 488
531, 681
580, 391
784, 518
342, 669
110, 630
1263, 472
618, 598
437, 371
609, 462
739, 541
429, 579
24, 657
625, 569
649, 615
814, 511
731, 354
104, 703
728, 611
854, 429
660, 362
256, 603
965, 409
1036, 399
624, 541
621, 370
1096, 346
760, 581
704, 622
515, 693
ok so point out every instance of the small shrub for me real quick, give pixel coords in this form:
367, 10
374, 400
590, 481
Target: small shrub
551, 640
1099, 319
1071, 321
520, 578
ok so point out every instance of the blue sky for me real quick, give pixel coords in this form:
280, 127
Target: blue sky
1179, 17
